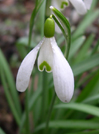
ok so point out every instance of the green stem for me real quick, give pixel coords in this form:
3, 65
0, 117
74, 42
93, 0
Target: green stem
44, 95
32, 84
27, 112
45, 81
42, 14
49, 113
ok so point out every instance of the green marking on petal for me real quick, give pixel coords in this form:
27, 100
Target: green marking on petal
64, 3
44, 63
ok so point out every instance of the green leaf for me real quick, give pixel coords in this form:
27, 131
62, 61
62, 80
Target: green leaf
95, 48
43, 16
22, 50
64, 25
87, 21
11, 83
33, 15
9, 97
24, 42
89, 88
60, 39
91, 98
75, 45
32, 101
22, 45
86, 64
86, 132
71, 124
80, 107
79, 81
84, 49
2, 132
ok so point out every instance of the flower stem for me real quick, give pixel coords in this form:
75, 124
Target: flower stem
49, 113
44, 95
27, 112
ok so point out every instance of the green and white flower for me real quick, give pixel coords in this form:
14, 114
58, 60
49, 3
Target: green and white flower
80, 5
52, 60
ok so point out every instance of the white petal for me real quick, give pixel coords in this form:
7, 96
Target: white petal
24, 72
79, 5
62, 74
45, 57
57, 4
57, 29
88, 3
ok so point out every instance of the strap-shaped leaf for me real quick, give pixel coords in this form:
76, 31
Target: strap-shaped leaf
33, 15
71, 124
64, 25
80, 107
2, 132
10, 81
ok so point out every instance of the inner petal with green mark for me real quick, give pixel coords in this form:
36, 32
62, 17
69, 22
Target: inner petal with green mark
64, 3
45, 65
45, 58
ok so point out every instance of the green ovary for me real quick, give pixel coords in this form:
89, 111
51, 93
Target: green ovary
64, 3
49, 28
44, 63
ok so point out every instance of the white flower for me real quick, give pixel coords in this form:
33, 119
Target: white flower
81, 5
88, 3
52, 60
60, 4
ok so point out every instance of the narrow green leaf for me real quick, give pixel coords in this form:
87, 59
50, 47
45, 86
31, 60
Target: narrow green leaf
95, 48
27, 125
86, 78
86, 64
84, 49
11, 82
89, 88
64, 25
33, 15
9, 98
21, 50
34, 98
22, 45
60, 40
42, 17
2, 132
71, 124
75, 45
24, 42
87, 21
93, 5
32, 101
80, 107
95, 88
86, 132
91, 99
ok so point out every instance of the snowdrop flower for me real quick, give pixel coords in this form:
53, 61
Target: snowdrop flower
60, 4
81, 5
52, 60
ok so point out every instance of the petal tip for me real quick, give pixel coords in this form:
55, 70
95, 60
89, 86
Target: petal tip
20, 86
51, 7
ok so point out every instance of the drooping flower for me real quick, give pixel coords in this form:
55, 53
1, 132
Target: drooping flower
52, 60
80, 5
